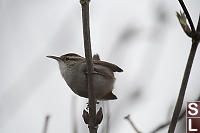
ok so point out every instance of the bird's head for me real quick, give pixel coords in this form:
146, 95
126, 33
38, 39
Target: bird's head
68, 60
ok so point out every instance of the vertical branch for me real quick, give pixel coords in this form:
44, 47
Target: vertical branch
180, 99
195, 41
46, 123
88, 54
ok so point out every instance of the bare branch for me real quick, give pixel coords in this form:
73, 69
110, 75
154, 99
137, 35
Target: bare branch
187, 15
180, 99
92, 125
46, 123
132, 124
182, 19
188, 68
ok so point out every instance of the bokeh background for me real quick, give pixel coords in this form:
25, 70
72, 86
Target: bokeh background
142, 37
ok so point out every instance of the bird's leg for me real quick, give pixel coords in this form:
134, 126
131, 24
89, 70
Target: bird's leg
87, 108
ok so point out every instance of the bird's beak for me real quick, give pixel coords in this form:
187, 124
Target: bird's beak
54, 57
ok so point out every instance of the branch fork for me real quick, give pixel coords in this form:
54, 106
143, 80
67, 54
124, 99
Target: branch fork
195, 36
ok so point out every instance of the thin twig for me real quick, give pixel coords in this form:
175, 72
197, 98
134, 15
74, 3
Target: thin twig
132, 124
88, 54
46, 123
187, 15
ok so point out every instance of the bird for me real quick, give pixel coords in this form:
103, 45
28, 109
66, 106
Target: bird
73, 69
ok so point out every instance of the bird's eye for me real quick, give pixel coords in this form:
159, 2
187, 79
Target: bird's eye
66, 59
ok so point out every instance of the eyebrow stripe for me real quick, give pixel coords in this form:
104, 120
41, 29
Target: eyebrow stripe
73, 58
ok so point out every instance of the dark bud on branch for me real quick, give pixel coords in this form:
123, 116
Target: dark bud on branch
99, 116
183, 21
85, 116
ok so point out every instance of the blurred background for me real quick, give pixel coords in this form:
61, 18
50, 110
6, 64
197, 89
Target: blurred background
143, 37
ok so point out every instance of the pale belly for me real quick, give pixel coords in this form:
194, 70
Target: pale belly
102, 85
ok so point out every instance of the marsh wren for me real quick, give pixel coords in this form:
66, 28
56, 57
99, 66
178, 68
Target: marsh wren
73, 69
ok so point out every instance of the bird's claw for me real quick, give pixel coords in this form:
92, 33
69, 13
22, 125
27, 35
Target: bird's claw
87, 108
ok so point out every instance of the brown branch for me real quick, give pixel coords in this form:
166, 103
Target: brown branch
88, 54
132, 124
195, 41
187, 15
46, 123
183, 21
180, 99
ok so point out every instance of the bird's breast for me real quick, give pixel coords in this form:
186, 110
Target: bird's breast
77, 81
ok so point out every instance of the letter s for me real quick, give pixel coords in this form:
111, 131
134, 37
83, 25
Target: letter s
193, 109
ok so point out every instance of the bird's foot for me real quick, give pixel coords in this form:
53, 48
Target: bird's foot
87, 108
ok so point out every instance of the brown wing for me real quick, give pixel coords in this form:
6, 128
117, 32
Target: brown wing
113, 67
109, 96
104, 71
99, 69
